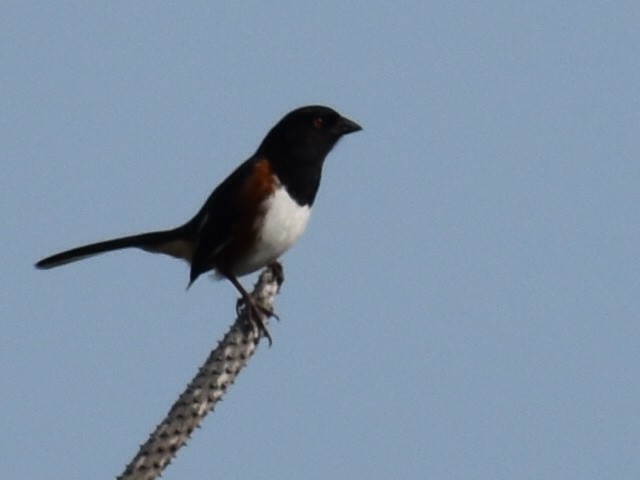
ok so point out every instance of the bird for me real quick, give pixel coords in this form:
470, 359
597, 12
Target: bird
254, 216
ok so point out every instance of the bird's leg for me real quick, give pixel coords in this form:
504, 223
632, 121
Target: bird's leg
254, 311
278, 272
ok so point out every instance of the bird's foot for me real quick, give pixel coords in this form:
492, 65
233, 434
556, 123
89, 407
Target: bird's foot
256, 314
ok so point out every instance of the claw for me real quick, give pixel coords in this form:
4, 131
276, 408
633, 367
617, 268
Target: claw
255, 314
254, 311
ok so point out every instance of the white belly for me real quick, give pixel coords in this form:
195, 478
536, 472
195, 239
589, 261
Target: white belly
283, 225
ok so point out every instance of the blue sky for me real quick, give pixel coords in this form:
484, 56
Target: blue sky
464, 304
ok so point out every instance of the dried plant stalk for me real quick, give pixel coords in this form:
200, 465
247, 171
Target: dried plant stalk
207, 388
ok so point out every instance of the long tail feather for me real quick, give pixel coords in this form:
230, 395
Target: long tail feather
171, 242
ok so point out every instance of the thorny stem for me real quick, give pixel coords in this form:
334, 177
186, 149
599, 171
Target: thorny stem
208, 386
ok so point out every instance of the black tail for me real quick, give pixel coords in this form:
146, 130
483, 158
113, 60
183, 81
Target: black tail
176, 243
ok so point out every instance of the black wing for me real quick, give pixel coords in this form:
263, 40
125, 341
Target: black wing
216, 221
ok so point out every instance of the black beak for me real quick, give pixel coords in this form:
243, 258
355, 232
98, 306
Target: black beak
344, 126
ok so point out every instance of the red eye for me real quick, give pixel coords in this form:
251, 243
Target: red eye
318, 122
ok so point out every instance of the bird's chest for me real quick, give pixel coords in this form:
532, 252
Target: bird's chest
282, 224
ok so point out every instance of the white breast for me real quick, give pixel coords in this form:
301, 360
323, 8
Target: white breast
284, 223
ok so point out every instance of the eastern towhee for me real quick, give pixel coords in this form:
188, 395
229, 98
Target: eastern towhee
253, 216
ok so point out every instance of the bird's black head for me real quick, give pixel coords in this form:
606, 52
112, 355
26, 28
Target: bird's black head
306, 134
